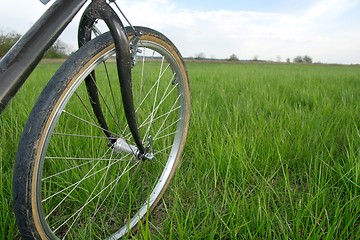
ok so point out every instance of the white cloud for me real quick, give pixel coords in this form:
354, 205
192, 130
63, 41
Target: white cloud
329, 9
317, 30
267, 35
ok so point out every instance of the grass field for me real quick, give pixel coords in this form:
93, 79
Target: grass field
273, 153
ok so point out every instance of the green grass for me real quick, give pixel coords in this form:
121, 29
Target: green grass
272, 153
12, 122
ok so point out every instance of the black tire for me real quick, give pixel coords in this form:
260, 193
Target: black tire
71, 180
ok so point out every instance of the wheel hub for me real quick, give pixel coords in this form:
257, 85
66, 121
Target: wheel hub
121, 145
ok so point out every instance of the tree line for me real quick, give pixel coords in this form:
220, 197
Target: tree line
8, 39
297, 59
233, 57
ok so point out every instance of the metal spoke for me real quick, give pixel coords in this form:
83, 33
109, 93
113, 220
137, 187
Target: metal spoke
161, 116
87, 122
90, 199
102, 97
81, 159
65, 171
116, 120
167, 135
78, 135
86, 108
157, 108
74, 185
162, 151
160, 131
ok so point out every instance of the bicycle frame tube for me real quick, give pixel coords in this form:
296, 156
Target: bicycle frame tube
23, 57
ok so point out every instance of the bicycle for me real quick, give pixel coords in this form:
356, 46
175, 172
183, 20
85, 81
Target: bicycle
105, 136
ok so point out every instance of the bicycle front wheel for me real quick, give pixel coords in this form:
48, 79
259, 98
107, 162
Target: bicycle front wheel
76, 173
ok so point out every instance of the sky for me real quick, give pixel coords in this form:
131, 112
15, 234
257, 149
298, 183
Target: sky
326, 30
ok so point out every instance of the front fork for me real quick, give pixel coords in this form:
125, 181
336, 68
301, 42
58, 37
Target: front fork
99, 9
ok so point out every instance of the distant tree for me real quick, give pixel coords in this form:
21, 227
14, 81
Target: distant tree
303, 59
298, 59
200, 56
256, 58
308, 59
288, 60
7, 40
57, 50
233, 57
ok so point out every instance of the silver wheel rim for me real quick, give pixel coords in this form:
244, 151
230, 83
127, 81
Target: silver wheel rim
171, 161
